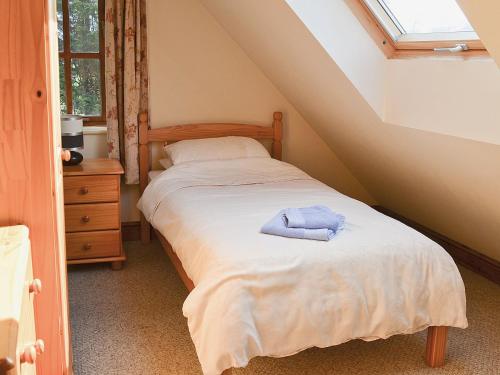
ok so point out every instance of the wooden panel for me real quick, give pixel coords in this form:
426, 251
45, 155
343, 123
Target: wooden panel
114, 261
144, 152
86, 245
476, 45
30, 190
197, 131
175, 261
372, 26
91, 189
17, 322
465, 55
87, 186
27, 334
91, 167
88, 217
409, 49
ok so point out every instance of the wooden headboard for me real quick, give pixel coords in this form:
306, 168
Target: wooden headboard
196, 131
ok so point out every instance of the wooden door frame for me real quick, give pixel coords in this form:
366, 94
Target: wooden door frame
30, 164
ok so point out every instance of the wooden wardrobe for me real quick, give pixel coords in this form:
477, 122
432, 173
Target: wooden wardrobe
30, 162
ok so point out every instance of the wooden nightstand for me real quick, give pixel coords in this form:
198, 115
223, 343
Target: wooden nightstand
92, 211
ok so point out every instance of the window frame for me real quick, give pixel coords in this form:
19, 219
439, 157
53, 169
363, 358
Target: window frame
391, 40
67, 55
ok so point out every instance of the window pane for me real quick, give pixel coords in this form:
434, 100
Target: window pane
428, 16
62, 87
60, 26
84, 25
86, 83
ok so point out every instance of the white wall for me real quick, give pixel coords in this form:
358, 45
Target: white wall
94, 142
442, 95
453, 97
484, 15
337, 29
273, 62
448, 183
199, 74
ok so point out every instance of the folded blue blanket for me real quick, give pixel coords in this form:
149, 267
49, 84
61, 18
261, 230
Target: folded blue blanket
280, 224
314, 217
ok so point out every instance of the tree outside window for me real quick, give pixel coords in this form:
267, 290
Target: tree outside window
81, 58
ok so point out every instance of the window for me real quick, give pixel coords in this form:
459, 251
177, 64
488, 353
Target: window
423, 26
80, 26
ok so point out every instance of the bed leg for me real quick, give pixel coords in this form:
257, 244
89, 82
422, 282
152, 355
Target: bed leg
436, 346
145, 230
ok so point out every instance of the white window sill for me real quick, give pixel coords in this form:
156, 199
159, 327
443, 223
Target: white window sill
94, 130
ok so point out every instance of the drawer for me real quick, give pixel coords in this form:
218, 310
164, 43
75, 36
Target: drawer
26, 332
91, 189
86, 245
87, 217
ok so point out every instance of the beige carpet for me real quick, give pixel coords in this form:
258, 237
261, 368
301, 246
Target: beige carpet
130, 322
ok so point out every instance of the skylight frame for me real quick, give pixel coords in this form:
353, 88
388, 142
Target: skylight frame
395, 42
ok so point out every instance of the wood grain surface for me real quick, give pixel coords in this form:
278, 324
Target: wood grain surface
30, 164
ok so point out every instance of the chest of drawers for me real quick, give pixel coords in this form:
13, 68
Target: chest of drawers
92, 211
19, 346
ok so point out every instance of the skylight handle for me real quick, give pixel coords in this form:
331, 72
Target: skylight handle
458, 48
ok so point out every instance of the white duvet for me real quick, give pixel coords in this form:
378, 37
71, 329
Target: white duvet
262, 295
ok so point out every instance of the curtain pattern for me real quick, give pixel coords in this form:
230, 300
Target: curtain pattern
126, 80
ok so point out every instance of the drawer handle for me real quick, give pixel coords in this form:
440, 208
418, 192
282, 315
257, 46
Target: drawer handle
36, 286
28, 355
87, 247
84, 190
85, 219
65, 155
6, 364
31, 351
39, 346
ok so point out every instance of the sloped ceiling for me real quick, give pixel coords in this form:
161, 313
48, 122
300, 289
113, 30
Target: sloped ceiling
484, 15
199, 74
447, 183
439, 95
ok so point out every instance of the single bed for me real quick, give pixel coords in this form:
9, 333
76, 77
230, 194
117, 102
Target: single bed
258, 295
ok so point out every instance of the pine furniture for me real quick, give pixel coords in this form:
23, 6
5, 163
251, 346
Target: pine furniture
19, 347
31, 190
436, 336
92, 210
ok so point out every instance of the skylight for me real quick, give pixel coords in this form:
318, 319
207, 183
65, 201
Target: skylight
413, 21
427, 16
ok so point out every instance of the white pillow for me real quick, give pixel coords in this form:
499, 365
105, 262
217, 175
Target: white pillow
215, 149
165, 163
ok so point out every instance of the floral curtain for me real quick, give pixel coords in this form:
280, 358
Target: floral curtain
126, 80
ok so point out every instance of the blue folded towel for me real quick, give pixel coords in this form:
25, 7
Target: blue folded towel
280, 224
314, 217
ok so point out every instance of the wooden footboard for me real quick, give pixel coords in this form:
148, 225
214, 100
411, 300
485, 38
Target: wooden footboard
436, 346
